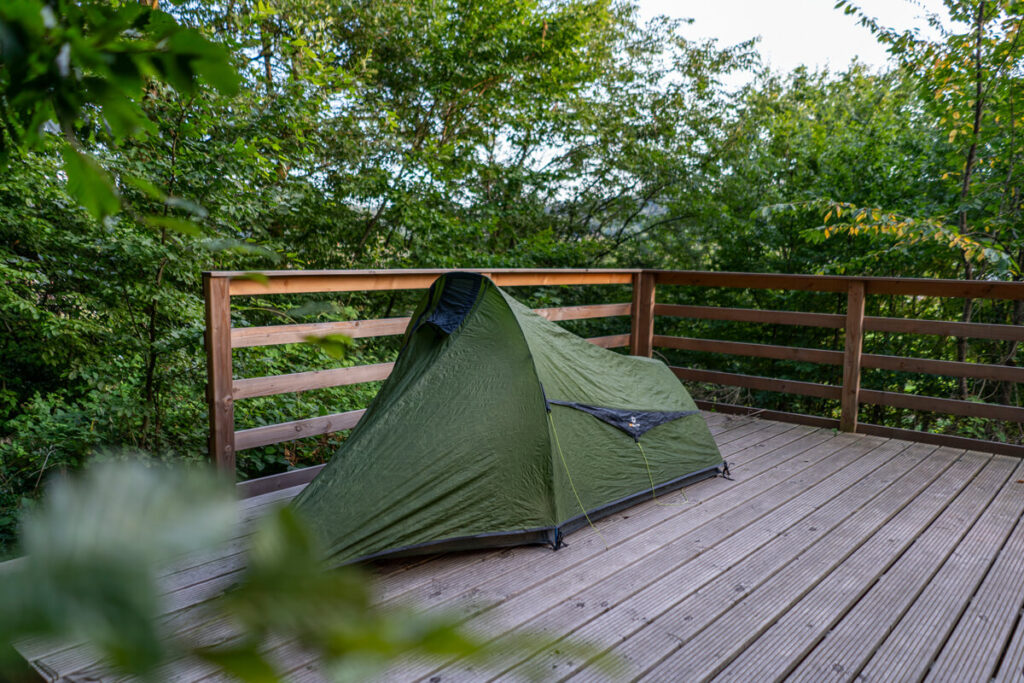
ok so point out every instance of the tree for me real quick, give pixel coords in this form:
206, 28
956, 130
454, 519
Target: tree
80, 70
969, 79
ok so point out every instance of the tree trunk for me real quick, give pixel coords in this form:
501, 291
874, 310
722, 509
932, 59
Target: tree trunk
972, 153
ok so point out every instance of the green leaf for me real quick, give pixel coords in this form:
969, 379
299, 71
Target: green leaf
220, 74
334, 345
94, 547
144, 186
244, 662
89, 184
181, 225
186, 205
253, 277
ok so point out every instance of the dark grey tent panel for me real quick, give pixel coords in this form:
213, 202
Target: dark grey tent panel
498, 427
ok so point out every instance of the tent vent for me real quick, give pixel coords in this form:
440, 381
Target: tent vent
634, 422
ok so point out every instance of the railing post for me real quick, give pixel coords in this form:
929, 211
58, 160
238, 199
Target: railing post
642, 332
218, 372
851, 356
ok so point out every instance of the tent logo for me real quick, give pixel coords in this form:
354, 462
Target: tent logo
632, 421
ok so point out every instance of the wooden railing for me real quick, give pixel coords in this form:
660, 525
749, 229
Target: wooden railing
223, 389
221, 338
851, 358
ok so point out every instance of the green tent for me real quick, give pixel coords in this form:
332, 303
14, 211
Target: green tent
498, 428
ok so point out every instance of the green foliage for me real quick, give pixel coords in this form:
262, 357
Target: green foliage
968, 81
92, 551
81, 68
95, 548
455, 134
286, 593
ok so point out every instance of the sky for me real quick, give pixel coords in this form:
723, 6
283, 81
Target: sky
794, 32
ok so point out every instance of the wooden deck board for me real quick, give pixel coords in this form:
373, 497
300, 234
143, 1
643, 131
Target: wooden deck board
688, 616
711, 517
790, 638
846, 648
1012, 667
973, 650
830, 556
793, 500
474, 569
703, 654
917, 638
704, 547
544, 583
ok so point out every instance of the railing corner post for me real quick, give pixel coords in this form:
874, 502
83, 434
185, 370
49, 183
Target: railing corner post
642, 333
217, 296
852, 355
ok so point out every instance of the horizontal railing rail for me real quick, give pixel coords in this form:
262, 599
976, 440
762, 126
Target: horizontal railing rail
224, 389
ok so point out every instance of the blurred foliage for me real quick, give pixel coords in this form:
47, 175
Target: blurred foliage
98, 544
968, 82
93, 549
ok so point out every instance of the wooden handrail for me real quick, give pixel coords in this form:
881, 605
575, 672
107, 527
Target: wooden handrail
224, 390
585, 312
218, 369
309, 281
855, 324
642, 329
852, 350
272, 385
305, 381
221, 338
358, 329
732, 379
293, 334
751, 315
794, 353
297, 429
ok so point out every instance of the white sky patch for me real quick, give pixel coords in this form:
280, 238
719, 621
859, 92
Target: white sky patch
795, 32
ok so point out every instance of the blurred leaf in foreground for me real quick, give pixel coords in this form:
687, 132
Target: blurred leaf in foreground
95, 546
92, 550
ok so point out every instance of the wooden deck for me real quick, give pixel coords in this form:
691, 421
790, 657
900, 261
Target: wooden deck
829, 557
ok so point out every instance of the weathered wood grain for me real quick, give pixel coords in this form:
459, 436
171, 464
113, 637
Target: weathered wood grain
732, 379
975, 289
305, 381
974, 648
813, 492
642, 330
850, 395
218, 374
620, 573
844, 651
900, 510
463, 573
828, 557
310, 281
791, 637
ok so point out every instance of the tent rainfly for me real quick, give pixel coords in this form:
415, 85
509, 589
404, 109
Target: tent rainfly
500, 428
